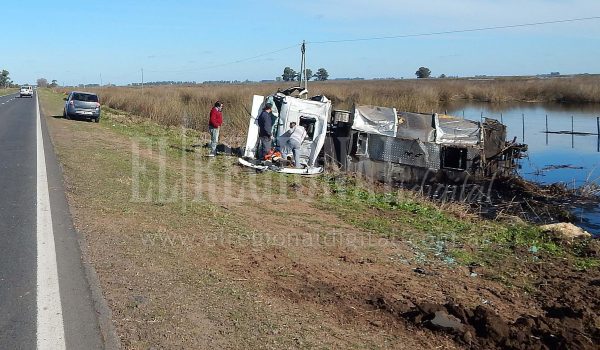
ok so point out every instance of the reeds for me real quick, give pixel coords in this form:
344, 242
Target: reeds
189, 106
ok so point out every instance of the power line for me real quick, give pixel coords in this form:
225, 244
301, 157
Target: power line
227, 63
191, 70
455, 31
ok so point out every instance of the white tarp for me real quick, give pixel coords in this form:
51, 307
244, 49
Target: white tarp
453, 130
375, 120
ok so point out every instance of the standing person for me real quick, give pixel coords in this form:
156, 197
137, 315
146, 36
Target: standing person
297, 135
214, 124
265, 131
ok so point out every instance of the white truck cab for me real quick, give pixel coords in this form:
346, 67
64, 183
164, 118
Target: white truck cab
26, 91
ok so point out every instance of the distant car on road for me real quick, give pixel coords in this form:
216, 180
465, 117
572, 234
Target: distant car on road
82, 105
26, 91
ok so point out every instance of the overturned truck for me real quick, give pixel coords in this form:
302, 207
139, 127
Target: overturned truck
402, 147
382, 143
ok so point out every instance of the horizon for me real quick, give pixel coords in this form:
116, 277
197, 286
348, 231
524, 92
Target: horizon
112, 42
339, 79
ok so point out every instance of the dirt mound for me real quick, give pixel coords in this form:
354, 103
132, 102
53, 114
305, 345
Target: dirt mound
562, 327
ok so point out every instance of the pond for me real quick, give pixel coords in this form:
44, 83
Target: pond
570, 159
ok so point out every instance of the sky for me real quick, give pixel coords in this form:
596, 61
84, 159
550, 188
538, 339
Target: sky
112, 41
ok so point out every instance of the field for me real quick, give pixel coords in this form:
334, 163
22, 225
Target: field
7, 91
199, 253
189, 106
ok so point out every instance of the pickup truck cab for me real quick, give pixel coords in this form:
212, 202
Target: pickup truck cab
26, 91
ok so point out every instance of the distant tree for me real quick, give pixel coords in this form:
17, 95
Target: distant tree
423, 72
322, 74
42, 82
278, 79
5, 79
53, 84
309, 74
442, 76
289, 74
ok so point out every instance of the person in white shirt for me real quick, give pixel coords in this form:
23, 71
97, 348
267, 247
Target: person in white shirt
297, 135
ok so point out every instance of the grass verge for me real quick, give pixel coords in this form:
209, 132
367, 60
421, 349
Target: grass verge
8, 91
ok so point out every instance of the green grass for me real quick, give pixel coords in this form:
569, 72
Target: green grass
433, 232
8, 91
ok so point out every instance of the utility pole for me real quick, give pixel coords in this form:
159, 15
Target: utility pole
303, 77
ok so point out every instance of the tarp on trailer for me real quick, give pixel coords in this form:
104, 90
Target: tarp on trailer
458, 131
415, 126
375, 120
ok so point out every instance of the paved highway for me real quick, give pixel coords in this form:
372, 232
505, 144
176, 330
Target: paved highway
45, 297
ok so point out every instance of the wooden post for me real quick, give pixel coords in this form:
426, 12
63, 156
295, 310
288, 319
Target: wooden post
572, 134
523, 122
546, 129
501, 119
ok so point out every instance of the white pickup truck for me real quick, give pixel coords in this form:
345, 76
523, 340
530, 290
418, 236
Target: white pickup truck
26, 91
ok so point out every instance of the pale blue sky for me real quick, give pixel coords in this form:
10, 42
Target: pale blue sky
75, 42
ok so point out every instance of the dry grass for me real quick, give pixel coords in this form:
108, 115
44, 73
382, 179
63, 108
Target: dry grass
189, 106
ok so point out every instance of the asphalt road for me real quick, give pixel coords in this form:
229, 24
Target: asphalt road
45, 298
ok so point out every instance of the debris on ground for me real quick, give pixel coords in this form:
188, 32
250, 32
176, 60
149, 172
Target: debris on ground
566, 231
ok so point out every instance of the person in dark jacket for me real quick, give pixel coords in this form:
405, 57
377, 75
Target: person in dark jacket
265, 131
214, 124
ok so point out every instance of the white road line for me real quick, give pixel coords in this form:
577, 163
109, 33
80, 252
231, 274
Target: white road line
50, 329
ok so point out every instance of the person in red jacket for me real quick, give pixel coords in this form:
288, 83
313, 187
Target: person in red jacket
214, 124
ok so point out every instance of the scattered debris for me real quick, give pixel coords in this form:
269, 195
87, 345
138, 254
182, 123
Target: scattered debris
566, 230
562, 327
562, 166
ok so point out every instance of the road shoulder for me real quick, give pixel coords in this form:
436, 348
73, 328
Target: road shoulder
87, 318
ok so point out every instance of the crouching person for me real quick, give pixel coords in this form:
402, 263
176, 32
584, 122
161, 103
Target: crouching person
297, 135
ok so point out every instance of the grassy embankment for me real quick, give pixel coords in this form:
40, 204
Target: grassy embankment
8, 91
216, 249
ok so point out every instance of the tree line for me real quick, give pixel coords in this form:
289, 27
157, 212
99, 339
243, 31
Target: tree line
43, 82
291, 75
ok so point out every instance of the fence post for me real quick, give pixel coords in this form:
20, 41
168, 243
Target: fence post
501, 119
546, 129
523, 122
572, 134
